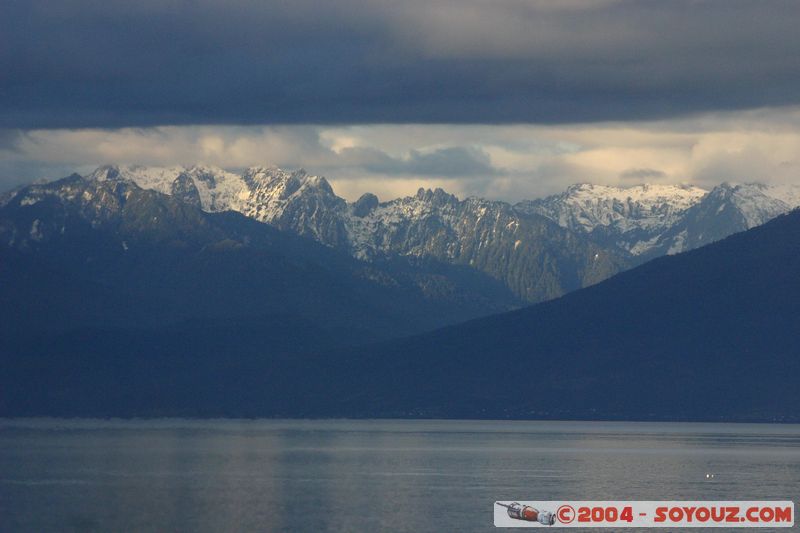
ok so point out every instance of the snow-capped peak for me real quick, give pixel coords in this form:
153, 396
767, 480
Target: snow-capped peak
211, 188
633, 215
787, 193
647, 195
649, 218
756, 202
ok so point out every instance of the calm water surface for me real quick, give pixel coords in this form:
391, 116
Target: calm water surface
222, 475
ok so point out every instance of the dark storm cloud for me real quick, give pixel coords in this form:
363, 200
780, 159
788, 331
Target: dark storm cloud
80, 63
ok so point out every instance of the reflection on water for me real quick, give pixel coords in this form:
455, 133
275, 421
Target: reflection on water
220, 475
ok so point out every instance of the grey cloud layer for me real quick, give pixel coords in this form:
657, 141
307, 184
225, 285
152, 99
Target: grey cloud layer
498, 161
453, 162
82, 63
30, 155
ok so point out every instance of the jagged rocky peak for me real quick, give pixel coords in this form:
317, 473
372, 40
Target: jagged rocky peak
365, 205
70, 188
755, 203
288, 183
626, 218
436, 197
728, 189
39, 212
205, 174
652, 219
264, 174
786, 193
105, 172
318, 182
185, 190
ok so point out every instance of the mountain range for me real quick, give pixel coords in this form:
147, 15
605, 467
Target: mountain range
532, 256
609, 229
132, 288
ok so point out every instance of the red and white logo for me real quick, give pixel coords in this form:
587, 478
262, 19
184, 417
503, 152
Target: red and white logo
622, 514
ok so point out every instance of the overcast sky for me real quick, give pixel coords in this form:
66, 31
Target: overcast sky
499, 98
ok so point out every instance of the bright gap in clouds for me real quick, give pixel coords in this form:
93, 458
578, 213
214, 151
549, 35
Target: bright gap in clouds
508, 162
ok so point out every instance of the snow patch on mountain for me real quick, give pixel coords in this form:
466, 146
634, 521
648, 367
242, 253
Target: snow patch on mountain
759, 203
632, 217
585, 206
651, 220
217, 189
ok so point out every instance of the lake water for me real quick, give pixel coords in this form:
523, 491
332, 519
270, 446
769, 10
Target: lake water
224, 475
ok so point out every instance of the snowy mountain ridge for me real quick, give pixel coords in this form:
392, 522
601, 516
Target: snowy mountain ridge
758, 202
585, 206
642, 220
